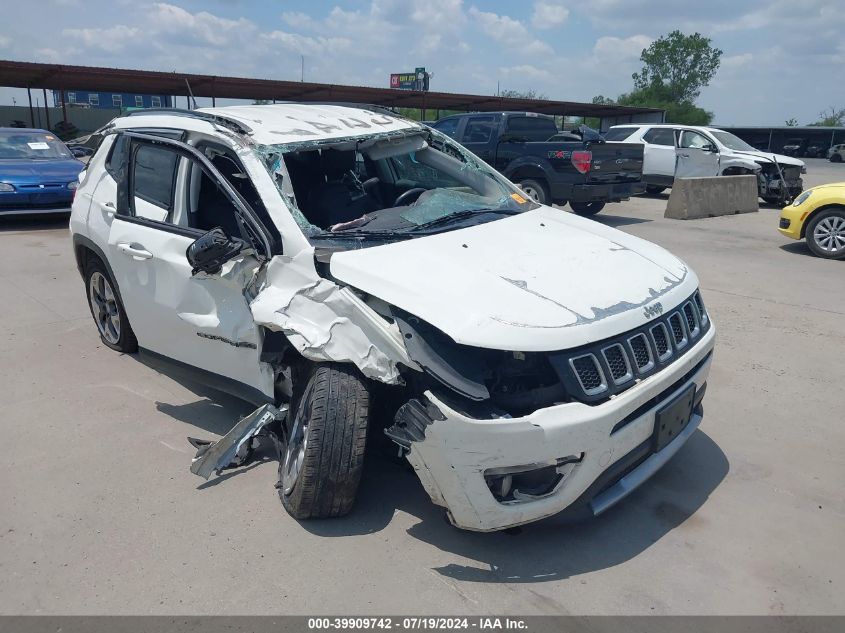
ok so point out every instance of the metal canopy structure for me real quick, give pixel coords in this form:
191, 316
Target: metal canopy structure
15, 74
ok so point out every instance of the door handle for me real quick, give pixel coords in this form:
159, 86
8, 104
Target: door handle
135, 251
108, 207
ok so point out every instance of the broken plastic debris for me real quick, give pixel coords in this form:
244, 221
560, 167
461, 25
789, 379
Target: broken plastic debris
215, 456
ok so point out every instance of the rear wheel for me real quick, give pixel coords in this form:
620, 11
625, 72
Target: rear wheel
535, 190
825, 234
107, 309
836, 158
326, 437
586, 208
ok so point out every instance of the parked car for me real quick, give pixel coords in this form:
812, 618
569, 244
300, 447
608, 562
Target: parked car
818, 216
684, 151
795, 146
836, 153
549, 165
304, 256
814, 150
38, 174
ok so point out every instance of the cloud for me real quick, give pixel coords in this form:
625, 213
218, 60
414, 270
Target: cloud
509, 32
5, 42
111, 40
548, 14
609, 47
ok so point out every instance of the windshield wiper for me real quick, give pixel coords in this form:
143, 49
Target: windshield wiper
458, 215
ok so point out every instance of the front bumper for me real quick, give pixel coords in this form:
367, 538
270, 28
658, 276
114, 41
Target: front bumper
457, 450
791, 221
53, 200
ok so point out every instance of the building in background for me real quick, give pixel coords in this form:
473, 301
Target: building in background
111, 100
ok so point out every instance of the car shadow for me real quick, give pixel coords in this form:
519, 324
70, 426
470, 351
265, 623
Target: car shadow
553, 548
797, 248
615, 221
13, 224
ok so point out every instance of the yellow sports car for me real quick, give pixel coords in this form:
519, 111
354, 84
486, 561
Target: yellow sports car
818, 215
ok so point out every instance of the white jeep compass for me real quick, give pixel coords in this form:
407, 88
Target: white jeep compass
298, 255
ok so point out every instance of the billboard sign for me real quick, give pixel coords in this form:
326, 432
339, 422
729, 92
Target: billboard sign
417, 80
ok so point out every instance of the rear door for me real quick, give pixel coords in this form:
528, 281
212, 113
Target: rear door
659, 158
479, 134
694, 156
200, 320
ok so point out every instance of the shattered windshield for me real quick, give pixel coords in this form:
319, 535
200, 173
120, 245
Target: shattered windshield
733, 142
397, 187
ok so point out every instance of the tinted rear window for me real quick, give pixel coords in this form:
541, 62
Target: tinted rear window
155, 172
532, 128
660, 136
618, 133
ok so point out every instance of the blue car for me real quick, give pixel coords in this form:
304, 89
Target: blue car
38, 173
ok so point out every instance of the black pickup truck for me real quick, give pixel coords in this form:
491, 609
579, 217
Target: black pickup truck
549, 165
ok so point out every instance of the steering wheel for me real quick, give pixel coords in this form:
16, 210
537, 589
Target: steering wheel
403, 198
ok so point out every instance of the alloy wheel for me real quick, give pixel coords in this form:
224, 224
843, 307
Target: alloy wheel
104, 306
829, 234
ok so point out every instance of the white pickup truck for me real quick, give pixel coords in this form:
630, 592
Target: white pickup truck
685, 151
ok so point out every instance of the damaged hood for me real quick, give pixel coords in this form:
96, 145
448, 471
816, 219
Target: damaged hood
779, 158
539, 281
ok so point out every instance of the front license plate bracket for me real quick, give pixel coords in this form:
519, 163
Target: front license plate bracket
671, 419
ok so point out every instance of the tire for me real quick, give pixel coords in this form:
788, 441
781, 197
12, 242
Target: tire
586, 208
536, 190
322, 463
107, 309
836, 158
654, 189
825, 234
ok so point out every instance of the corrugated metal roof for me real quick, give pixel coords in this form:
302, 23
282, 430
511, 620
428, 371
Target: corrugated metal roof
63, 77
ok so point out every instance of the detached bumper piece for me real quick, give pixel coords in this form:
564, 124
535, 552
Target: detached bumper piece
410, 423
234, 448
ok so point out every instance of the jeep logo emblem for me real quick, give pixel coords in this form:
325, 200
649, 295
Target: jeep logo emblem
653, 310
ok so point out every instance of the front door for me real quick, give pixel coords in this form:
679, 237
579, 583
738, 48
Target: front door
166, 200
696, 155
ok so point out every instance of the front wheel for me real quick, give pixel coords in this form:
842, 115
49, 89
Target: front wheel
654, 189
586, 208
535, 190
825, 234
321, 467
836, 158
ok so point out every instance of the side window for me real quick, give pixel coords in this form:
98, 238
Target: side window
479, 129
408, 168
660, 136
153, 181
532, 128
694, 140
118, 155
449, 127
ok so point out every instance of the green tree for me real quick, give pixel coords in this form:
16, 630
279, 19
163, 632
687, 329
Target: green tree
793, 122
680, 64
831, 117
523, 94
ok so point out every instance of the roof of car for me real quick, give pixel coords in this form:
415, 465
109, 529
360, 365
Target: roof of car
281, 123
670, 126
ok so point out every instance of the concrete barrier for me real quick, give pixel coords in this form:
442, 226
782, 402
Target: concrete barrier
694, 198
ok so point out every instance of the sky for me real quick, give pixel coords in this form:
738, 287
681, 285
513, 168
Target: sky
781, 58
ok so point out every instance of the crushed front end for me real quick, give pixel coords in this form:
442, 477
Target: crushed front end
575, 430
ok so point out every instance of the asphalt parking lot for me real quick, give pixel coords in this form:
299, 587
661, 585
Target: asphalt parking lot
101, 515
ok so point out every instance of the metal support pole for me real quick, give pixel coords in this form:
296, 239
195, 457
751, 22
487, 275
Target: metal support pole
31, 113
769, 147
46, 109
64, 108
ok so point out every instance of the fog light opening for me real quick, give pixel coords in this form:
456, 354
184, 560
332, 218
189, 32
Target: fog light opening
517, 484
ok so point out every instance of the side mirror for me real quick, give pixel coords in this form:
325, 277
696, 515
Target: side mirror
710, 148
210, 251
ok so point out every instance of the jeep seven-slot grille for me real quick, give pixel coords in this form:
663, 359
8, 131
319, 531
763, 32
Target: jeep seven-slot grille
608, 367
